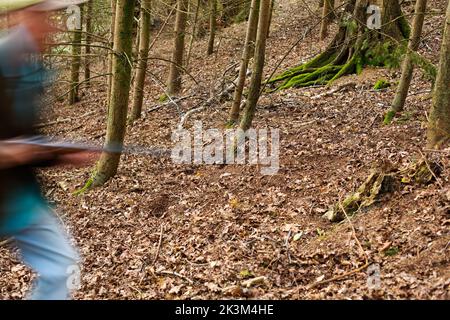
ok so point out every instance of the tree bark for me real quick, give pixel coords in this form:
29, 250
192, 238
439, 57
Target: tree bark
89, 31
212, 25
439, 124
117, 114
272, 6
393, 21
408, 66
144, 44
258, 68
248, 50
111, 55
327, 10
75, 66
175, 72
193, 34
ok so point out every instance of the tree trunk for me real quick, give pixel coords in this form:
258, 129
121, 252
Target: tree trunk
231, 9
144, 44
111, 55
117, 114
212, 25
327, 9
272, 6
248, 50
408, 67
89, 31
353, 47
175, 73
194, 30
258, 68
439, 125
252, 35
75, 66
393, 22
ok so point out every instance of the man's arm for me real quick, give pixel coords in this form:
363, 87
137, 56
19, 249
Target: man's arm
15, 155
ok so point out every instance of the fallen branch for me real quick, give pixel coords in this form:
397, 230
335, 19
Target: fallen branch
159, 245
59, 121
223, 94
173, 102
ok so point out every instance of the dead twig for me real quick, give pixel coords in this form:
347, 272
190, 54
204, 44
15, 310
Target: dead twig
159, 246
286, 244
59, 121
176, 274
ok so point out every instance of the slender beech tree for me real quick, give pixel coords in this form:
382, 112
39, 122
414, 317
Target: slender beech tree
248, 50
117, 113
212, 25
439, 124
144, 44
327, 9
194, 30
176, 70
76, 64
272, 8
408, 66
258, 67
111, 55
89, 30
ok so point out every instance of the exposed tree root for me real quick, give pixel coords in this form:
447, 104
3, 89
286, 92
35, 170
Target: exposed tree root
353, 48
382, 180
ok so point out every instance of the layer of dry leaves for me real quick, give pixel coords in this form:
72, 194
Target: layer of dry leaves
164, 231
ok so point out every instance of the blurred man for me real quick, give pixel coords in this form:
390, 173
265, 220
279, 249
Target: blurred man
24, 214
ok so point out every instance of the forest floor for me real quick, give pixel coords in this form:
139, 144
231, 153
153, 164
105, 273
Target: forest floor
159, 230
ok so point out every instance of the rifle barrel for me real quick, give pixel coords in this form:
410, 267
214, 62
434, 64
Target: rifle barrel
73, 147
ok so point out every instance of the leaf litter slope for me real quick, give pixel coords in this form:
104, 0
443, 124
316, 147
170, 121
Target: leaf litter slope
165, 231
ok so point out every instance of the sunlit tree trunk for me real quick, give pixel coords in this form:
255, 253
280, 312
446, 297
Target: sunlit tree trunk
258, 68
89, 31
144, 44
408, 66
439, 125
327, 9
212, 25
175, 72
117, 114
75, 65
272, 8
193, 33
248, 50
111, 55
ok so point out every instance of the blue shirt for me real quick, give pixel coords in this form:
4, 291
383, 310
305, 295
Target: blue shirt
25, 77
